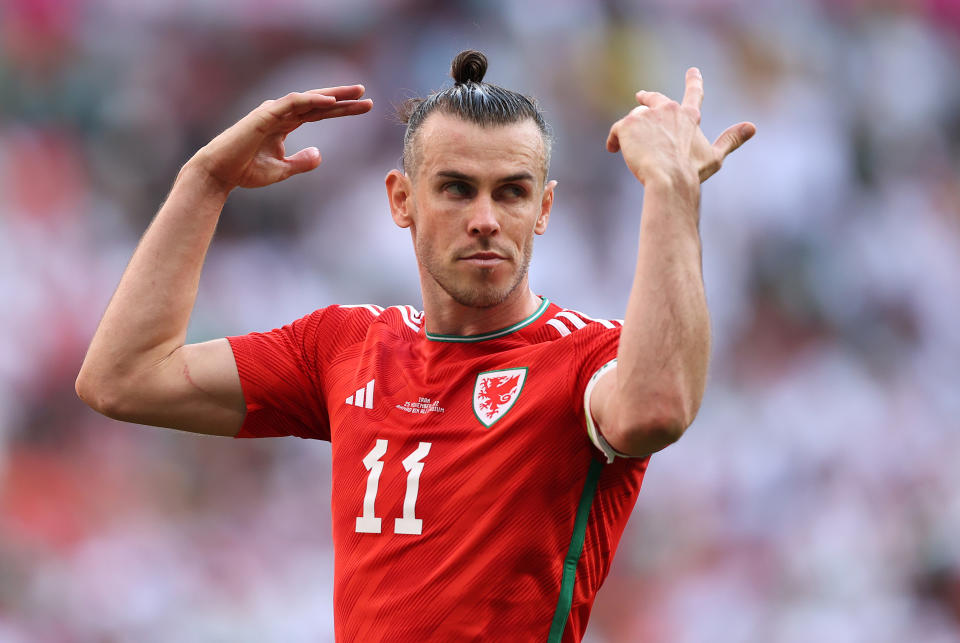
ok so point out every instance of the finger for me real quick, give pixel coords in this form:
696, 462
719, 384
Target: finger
613, 141
340, 108
343, 92
303, 161
311, 103
733, 137
651, 99
639, 109
297, 103
693, 95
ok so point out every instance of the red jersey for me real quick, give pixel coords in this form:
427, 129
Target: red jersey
470, 499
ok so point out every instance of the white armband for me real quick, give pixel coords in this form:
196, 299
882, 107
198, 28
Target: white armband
592, 429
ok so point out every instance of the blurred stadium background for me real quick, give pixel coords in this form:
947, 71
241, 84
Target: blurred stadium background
817, 496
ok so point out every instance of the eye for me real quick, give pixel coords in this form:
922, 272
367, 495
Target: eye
458, 189
513, 191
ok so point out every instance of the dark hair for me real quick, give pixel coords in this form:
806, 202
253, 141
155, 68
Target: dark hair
473, 100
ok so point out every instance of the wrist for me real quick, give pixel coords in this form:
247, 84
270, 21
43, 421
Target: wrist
194, 173
676, 182
673, 195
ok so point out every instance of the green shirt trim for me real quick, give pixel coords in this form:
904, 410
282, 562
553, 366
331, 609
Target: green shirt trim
562, 613
544, 304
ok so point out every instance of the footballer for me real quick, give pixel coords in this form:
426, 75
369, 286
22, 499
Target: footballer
487, 450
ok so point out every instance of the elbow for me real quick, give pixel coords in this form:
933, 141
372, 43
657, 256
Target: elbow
99, 394
649, 436
653, 428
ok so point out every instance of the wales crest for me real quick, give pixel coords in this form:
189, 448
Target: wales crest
495, 393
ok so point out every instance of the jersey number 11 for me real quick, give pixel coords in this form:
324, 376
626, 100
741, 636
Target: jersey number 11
368, 523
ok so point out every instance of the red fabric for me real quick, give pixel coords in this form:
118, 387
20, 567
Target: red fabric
497, 503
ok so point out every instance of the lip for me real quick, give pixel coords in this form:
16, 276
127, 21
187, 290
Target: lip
484, 259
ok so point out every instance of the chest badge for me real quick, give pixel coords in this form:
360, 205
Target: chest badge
495, 393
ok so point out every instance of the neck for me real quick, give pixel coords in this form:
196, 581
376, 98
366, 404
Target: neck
444, 316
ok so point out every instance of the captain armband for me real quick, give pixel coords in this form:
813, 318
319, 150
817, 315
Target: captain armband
592, 429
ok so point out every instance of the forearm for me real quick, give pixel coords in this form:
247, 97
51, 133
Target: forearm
147, 318
665, 342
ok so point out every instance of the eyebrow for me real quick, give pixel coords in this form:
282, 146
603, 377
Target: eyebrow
519, 176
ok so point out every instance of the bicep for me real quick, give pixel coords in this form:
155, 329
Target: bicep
196, 388
618, 429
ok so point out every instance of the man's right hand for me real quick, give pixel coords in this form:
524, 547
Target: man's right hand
251, 153
138, 368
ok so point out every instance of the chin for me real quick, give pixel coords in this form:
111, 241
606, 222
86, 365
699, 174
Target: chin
481, 296
479, 300
484, 288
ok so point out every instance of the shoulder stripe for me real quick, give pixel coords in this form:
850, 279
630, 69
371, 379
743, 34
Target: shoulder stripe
559, 326
373, 308
603, 322
566, 318
576, 321
416, 316
405, 315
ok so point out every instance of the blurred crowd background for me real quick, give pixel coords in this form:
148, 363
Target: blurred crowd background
817, 495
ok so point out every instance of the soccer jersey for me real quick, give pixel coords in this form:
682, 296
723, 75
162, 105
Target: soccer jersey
468, 499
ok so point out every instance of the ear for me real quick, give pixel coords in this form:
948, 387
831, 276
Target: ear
546, 203
400, 196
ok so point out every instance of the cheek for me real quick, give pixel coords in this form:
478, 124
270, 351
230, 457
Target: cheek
523, 222
431, 239
440, 227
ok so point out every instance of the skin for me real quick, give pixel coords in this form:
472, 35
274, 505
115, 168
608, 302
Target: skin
653, 395
473, 204
138, 368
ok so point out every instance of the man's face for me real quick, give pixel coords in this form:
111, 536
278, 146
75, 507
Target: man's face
473, 203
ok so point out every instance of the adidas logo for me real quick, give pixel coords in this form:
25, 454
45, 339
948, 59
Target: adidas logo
363, 397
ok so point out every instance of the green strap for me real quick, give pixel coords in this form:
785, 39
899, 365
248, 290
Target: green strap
573, 553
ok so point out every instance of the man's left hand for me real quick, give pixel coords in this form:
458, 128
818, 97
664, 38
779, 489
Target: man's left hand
662, 139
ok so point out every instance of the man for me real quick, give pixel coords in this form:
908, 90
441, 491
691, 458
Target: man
488, 451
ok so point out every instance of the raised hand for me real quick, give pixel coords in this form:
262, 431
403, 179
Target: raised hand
661, 138
251, 153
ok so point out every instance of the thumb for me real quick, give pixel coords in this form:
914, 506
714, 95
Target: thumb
303, 161
733, 137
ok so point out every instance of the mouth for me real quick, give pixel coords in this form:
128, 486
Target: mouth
485, 259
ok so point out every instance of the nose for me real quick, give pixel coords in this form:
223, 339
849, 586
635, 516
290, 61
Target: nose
483, 219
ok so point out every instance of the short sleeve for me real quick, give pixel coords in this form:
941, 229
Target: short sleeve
593, 431
596, 353
281, 374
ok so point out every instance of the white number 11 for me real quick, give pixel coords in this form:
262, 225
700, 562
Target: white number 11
368, 523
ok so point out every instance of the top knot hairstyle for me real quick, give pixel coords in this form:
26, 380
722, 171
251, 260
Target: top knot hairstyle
468, 67
472, 100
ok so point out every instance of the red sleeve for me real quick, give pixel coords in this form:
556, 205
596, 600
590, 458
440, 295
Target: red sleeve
596, 348
281, 373
595, 345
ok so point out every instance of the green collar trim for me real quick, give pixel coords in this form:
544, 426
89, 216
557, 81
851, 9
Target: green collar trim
544, 304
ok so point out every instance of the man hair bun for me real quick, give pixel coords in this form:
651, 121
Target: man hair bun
468, 67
